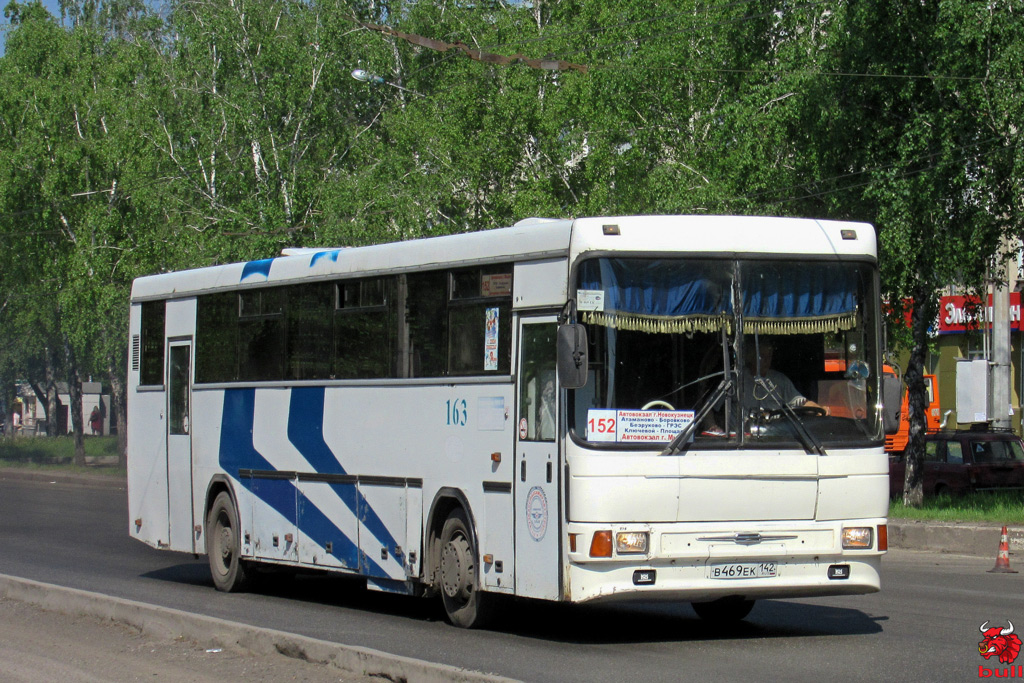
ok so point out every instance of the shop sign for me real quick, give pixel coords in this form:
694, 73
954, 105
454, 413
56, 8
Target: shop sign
959, 314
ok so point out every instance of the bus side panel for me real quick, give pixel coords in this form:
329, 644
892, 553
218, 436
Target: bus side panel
207, 407
352, 467
328, 531
499, 544
147, 453
430, 437
382, 519
414, 531
274, 519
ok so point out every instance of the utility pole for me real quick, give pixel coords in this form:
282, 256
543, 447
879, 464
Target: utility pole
999, 410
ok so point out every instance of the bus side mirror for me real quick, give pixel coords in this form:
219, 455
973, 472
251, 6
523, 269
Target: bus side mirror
892, 397
572, 356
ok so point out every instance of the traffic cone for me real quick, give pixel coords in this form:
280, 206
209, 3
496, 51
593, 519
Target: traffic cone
1003, 556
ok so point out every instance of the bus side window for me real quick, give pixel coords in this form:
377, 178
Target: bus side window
427, 319
151, 369
309, 331
217, 337
539, 390
363, 346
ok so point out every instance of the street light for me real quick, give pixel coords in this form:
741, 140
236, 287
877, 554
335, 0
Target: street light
367, 77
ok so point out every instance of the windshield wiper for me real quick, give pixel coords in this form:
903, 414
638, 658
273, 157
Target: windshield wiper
682, 439
807, 440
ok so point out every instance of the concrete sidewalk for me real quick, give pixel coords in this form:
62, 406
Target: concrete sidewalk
353, 663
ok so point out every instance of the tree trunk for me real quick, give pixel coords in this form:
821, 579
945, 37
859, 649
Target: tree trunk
119, 408
52, 399
917, 400
75, 390
7, 401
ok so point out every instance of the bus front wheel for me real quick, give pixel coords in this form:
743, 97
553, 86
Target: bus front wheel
223, 545
465, 605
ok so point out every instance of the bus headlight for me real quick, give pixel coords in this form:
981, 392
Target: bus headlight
857, 537
631, 542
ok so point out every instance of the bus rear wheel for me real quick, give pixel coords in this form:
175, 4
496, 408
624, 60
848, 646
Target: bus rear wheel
724, 610
465, 605
223, 545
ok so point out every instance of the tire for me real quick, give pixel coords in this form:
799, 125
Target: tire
465, 605
223, 545
723, 611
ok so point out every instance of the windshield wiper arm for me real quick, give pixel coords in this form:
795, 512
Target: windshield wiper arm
807, 440
682, 439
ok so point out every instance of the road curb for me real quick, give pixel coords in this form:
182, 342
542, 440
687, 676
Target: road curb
164, 622
955, 539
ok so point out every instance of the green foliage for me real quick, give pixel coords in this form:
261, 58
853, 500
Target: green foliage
134, 143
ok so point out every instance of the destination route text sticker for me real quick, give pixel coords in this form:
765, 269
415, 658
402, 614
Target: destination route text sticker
632, 426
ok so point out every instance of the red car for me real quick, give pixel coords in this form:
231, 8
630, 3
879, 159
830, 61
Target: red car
963, 461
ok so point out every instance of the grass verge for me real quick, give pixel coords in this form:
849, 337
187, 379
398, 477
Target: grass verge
58, 452
1002, 507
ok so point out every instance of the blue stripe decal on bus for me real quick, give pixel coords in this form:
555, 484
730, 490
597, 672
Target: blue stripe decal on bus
237, 451
306, 432
332, 254
236, 447
261, 267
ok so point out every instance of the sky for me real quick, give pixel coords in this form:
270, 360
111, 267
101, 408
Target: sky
5, 25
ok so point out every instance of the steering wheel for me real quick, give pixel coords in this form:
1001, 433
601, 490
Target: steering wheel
800, 411
657, 404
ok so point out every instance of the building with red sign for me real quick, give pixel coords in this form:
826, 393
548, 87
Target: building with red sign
963, 328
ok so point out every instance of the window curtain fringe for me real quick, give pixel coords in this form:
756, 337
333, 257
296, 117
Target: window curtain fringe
658, 324
653, 324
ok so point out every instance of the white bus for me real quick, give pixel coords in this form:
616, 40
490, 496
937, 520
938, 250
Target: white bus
615, 408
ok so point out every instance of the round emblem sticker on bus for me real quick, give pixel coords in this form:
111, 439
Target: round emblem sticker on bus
537, 513
523, 428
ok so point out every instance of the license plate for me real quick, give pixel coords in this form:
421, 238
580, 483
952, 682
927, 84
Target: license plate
743, 570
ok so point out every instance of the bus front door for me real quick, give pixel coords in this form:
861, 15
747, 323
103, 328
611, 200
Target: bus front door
537, 472
179, 446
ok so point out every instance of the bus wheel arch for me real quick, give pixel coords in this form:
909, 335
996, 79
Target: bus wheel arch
454, 555
223, 531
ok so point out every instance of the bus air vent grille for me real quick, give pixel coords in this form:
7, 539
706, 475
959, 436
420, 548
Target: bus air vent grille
136, 347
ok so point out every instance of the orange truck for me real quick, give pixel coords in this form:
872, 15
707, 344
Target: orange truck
894, 443
897, 443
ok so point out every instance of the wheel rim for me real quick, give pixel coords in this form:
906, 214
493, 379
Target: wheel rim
457, 569
223, 538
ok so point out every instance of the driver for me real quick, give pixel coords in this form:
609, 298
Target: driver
757, 361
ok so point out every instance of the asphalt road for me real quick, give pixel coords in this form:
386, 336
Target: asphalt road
924, 625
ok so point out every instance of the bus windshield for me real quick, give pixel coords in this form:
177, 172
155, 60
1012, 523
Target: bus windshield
774, 353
